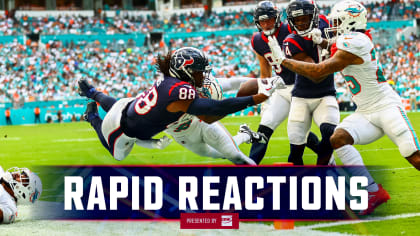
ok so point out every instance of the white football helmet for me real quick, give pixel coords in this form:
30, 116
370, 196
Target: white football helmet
26, 185
347, 16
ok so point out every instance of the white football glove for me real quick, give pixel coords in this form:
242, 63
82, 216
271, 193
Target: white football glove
163, 142
267, 86
316, 36
278, 55
154, 143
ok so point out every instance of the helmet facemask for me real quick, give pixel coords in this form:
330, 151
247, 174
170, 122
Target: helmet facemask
267, 10
297, 11
26, 185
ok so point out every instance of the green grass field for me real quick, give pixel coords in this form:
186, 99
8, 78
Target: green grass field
77, 144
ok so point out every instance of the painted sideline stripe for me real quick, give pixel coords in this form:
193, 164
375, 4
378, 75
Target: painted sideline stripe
370, 219
402, 168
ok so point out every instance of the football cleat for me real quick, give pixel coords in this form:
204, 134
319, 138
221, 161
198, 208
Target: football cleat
91, 111
255, 137
375, 200
85, 89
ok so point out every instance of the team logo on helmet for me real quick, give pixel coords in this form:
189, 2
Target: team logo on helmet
354, 11
34, 196
181, 61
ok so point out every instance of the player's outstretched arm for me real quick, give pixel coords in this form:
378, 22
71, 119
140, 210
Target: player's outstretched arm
210, 107
312, 71
318, 72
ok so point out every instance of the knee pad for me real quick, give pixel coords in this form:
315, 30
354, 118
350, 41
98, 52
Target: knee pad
297, 138
296, 133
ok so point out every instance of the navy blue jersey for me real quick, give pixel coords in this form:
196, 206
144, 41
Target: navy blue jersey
147, 115
304, 87
260, 45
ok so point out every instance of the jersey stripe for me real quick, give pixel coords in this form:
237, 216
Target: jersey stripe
292, 41
176, 85
416, 141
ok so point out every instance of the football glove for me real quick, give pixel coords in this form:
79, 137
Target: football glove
154, 143
278, 55
316, 36
163, 142
269, 85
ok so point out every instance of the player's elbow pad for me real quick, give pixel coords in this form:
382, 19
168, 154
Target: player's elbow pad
203, 106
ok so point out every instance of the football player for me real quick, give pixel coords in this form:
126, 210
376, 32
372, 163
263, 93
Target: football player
213, 140
379, 108
309, 99
137, 120
17, 186
276, 109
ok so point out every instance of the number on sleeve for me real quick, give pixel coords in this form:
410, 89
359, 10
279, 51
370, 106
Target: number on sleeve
185, 93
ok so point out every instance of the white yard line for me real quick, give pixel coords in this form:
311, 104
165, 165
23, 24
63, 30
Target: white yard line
75, 140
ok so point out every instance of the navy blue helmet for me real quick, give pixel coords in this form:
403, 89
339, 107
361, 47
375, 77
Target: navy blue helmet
299, 8
267, 10
187, 60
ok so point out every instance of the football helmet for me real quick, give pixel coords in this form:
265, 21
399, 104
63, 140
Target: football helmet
25, 184
347, 16
187, 60
297, 8
267, 10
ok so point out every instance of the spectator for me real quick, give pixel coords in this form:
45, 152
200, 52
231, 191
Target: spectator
8, 116
59, 116
413, 94
37, 113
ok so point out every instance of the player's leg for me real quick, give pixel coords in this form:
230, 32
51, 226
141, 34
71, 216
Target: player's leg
275, 111
398, 128
219, 139
92, 116
87, 90
298, 126
119, 144
194, 142
326, 115
357, 129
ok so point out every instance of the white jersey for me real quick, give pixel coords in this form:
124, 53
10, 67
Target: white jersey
366, 82
7, 204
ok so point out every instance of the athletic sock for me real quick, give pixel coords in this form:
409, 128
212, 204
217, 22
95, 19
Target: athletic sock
296, 154
241, 138
312, 142
96, 123
350, 156
324, 148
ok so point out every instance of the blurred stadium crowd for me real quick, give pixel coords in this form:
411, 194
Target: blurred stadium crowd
183, 22
46, 72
